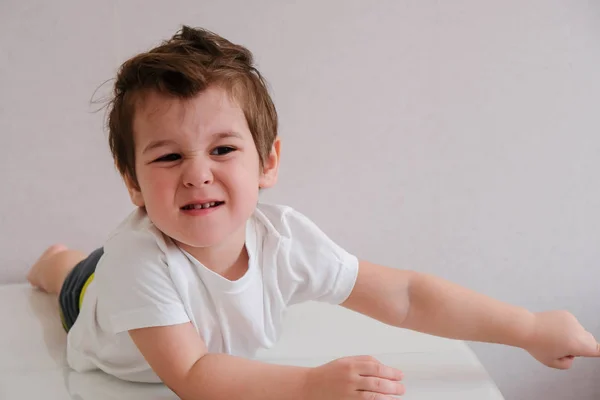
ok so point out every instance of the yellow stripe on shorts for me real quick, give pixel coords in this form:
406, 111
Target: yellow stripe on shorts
84, 288
62, 319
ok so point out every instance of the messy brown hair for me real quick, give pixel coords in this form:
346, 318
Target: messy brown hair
182, 67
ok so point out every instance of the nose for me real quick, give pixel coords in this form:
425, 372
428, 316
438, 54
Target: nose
196, 173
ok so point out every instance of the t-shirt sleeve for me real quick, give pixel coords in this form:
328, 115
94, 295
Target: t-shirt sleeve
133, 284
316, 268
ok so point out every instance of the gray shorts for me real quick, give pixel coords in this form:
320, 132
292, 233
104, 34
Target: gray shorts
73, 289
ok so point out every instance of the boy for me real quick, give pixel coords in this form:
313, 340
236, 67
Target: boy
199, 276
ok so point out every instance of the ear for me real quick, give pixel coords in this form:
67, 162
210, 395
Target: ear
135, 194
268, 176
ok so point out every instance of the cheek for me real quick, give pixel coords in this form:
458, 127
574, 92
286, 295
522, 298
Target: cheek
244, 175
157, 183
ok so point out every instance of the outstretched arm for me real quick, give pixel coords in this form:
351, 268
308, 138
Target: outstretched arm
428, 304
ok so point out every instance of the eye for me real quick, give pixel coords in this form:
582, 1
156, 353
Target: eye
168, 158
222, 150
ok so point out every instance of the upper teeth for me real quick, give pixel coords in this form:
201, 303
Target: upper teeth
205, 205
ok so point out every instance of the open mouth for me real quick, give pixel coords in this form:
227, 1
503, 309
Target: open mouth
211, 204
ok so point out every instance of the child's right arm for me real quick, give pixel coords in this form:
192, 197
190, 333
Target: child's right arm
179, 357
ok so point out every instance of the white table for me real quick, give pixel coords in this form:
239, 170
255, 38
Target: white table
32, 354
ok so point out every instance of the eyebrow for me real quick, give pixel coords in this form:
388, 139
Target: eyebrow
217, 136
155, 144
227, 135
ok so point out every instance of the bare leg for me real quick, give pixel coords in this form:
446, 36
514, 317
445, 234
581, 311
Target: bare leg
53, 266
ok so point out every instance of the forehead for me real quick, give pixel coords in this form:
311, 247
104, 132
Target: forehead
211, 111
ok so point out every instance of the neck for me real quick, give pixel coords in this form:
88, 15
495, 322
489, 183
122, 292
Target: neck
228, 259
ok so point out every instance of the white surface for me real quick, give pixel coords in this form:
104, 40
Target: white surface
453, 137
32, 362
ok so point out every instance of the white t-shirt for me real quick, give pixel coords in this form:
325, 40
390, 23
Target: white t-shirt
144, 279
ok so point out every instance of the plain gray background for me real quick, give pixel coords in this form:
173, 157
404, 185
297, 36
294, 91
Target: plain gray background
458, 138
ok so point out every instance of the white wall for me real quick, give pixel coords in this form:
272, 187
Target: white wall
459, 138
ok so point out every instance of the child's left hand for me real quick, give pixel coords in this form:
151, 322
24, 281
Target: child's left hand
558, 338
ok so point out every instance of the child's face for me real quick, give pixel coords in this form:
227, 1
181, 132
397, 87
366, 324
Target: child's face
195, 153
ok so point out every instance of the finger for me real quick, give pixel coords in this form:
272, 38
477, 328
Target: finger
589, 347
379, 370
378, 385
590, 351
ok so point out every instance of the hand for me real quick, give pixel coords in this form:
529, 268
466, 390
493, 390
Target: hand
558, 338
359, 377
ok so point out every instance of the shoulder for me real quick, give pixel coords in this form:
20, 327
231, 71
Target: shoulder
309, 264
133, 250
284, 221
136, 234
295, 229
133, 281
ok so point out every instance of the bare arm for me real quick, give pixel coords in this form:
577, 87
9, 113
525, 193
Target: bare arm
442, 308
179, 357
435, 306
